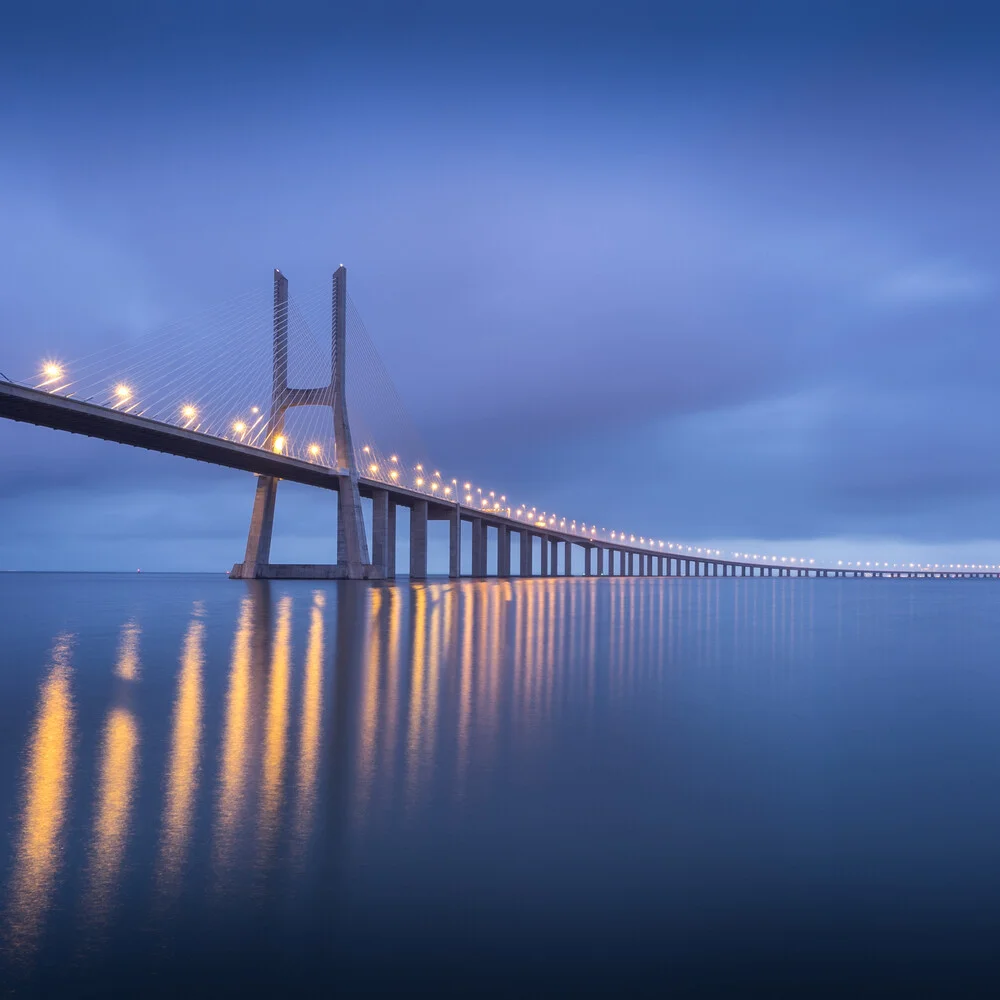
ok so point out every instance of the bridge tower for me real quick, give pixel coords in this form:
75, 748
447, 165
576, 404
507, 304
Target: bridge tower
352, 544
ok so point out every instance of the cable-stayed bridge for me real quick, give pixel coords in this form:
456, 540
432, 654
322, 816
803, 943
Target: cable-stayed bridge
267, 395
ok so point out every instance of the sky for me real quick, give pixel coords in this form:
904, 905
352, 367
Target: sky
715, 271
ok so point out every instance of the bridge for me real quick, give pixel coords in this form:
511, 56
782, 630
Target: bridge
99, 401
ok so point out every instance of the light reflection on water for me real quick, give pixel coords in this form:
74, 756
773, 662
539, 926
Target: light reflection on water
303, 767
183, 760
47, 771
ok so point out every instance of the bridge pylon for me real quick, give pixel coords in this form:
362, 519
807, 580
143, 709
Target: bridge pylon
353, 562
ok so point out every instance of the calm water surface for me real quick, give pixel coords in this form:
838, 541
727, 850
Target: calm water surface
551, 785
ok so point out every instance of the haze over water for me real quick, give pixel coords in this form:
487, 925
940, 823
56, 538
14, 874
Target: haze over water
481, 786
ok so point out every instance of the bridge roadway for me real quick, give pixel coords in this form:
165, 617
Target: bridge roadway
45, 409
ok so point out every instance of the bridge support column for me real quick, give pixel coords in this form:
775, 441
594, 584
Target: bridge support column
455, 544
526, 553
543, 556
390, 545
380, 532
567, 558
503, 550
418, 540
553, 557
478, 547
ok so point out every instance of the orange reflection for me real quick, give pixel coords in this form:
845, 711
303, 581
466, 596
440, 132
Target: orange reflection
309, 729
127, 667
182, 774
276, 727
369, 720
435, 643
235, 738
46, 789
418, 669
116, 785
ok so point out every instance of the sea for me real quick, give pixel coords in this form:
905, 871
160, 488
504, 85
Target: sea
539, 787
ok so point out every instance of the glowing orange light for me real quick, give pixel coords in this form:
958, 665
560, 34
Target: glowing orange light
279, 444
240, 427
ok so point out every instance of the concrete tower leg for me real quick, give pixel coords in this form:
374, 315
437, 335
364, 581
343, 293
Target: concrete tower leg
258, 552
553, 557
352, 544
567, 558
543, 556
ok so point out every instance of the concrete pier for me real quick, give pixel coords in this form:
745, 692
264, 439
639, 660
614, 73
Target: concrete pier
503, 551
418, 540
380, 531
455, 544
478, 547
390, 542
526, 553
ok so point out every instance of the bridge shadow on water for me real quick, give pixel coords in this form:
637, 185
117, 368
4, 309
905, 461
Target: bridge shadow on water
514, 787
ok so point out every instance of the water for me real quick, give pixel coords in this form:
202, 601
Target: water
722, 785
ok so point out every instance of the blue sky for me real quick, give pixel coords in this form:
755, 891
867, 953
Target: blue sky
717, 271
